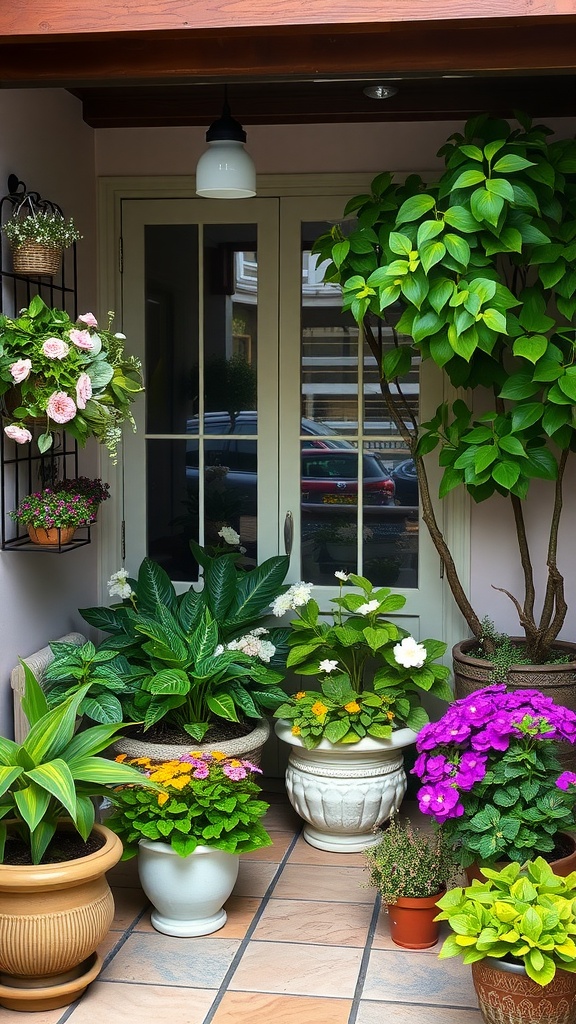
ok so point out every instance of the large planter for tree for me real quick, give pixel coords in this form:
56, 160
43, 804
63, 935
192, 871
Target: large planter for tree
506, 995
188, 893
52, 919
343, 791
562, 866
556, 681
412, 923
248, 747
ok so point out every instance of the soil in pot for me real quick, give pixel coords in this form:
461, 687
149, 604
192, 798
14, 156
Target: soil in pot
64, 846
163, 732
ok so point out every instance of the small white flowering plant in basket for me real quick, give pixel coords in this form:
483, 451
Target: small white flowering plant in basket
371, 672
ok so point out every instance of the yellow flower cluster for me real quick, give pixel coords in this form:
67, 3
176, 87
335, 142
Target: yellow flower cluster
300, 695
319, 709
352, 707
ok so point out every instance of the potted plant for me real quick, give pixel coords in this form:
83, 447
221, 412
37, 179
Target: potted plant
476, 272
517, 931
491, 776
56, 902
93, 489
65, 374
411, 869
372, 676
195, 665
52, 517
37, 239
190, 836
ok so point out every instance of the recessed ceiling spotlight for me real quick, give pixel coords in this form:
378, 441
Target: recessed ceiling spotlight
379, 92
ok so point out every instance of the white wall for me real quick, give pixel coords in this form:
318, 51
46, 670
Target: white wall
44, 141
370, 148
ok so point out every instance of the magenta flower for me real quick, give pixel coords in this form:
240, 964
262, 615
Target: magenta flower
566, 780
201, 772
235, 773
441, 800
83, 390
61, 408
18, 434
81, 339
20, 370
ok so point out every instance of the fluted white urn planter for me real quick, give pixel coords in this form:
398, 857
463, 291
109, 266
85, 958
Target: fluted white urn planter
187, 893
342, 791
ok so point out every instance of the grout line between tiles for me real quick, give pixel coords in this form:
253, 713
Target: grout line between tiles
124, 936
364, 962
249, 932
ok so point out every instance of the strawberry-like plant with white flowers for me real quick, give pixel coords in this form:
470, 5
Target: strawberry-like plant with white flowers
69, 375
372, 673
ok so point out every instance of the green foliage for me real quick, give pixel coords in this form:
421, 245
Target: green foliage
186, 659
207, 800
54, 773
410, 862
370, 685
523, 914
47, 228
48, 509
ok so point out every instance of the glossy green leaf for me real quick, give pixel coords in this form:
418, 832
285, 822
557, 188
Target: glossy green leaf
531, 347
414, 208
431, 253
34, 704
51, 733
340, 252
510, 163
486, 206
400, 244
55, 777
32, 803
460, 218
526, 414
468, 178
506, 473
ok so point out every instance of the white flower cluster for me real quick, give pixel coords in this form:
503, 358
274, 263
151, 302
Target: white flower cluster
342, 576
296, 595
370, 606
118, 585
409, 653
328, 665
229, 535
251, 644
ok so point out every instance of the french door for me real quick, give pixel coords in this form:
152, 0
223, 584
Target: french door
262, 411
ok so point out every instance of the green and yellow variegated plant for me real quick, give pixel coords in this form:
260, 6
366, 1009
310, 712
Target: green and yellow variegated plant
55, 772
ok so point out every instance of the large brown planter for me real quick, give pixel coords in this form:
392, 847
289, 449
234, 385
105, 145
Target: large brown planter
506, 995
412, 923
563, 867
556, 681
52, 919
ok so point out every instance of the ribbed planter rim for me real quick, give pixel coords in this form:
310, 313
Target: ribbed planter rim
399, 738
460, 650
28, 877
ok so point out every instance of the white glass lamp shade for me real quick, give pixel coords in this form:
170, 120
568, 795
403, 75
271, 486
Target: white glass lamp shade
225, 171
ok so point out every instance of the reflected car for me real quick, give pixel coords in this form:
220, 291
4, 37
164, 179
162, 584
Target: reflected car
330, 477
406, 481
246, 422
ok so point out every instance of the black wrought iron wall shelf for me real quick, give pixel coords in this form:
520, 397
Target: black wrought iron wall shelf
23, 469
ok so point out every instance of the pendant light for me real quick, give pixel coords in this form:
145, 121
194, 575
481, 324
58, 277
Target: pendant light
225, 170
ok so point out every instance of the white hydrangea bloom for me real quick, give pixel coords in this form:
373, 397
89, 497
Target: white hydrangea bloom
409, 653
229, 535
296, 595
370, 606
253, 646
328, 665
118, 585
281, 604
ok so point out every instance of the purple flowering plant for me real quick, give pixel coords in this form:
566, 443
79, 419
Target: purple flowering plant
92, 488
207, 799
48, 509
491, 776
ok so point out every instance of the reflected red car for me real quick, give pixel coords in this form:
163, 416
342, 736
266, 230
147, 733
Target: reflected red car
330, 477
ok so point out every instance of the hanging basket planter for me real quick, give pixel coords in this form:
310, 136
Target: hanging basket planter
34, 258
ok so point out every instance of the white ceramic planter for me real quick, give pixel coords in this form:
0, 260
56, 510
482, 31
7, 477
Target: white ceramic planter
343, 791
187, 893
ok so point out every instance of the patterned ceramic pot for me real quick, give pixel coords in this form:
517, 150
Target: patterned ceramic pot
506, 995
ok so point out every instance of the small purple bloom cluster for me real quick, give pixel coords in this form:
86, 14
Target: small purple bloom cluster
235, 769
456, 752
50, 509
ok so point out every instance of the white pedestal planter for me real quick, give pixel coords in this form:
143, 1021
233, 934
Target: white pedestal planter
343, 791
187, 893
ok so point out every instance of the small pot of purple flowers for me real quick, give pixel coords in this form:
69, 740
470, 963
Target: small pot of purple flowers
491, 776
52, 516
93, 489
188, 838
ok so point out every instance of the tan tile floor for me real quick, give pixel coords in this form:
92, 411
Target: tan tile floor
305, 943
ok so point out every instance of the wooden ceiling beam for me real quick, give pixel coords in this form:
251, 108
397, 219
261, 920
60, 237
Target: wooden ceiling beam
517, 44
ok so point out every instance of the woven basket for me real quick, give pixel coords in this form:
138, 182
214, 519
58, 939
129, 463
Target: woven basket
36, 258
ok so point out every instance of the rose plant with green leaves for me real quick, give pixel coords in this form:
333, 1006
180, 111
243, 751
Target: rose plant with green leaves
372, 672
480, 268
524, 915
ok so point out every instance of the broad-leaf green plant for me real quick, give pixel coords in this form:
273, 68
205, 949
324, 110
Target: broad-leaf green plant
524, 915
476, 272
55, 772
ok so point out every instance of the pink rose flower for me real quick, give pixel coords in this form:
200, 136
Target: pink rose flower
89, 319
20, 370
81, 339
61, 408
18, 434
83, 390
55, 348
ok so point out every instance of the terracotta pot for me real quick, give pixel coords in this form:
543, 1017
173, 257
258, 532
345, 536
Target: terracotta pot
556, 681
506, 994
562, 867
343, 791
412, 923
248, 746
53, 537
52, 918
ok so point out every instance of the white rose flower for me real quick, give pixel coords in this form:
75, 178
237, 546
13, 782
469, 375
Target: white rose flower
327, 665
229, 535
370, 606
340, 575
409, 653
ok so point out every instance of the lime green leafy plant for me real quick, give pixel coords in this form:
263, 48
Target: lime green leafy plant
526, 915
480, 266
